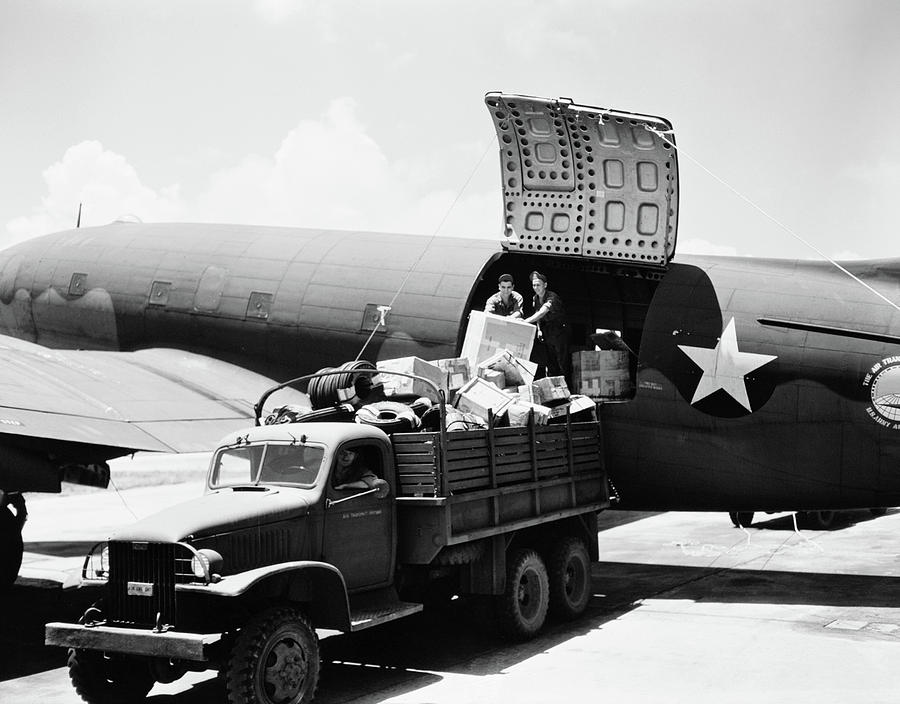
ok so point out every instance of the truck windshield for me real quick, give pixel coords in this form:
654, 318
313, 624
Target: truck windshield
267, 464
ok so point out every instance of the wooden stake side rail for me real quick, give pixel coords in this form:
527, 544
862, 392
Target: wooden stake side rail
482, 459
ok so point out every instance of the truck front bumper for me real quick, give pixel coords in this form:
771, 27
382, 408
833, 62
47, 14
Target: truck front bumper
132, 641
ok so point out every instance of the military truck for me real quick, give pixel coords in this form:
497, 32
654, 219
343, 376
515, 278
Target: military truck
240, 579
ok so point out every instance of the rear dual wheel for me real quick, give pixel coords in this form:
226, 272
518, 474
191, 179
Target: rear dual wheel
570, 578
522, 608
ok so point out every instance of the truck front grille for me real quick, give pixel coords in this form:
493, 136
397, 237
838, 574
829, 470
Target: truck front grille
141, 583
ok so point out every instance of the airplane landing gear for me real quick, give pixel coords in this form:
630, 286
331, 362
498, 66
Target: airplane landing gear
12, 518
741, 519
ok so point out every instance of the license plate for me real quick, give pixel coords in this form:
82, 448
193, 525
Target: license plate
140, 589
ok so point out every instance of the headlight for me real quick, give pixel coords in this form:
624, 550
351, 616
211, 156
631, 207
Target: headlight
96, 564
204, 563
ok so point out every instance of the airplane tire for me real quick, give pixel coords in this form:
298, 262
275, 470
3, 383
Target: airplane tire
102, 679
816, 520
275, 660
11, 548
570, 578
878, 511
522, 608
741, 519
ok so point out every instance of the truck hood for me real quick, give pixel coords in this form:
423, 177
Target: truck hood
224, 510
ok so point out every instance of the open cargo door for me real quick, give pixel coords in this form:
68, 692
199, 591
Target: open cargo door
586, 182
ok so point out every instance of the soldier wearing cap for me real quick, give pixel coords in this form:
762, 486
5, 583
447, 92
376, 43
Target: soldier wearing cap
506, 301
550, 318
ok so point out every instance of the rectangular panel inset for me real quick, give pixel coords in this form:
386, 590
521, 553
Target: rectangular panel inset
559, 223
78, 285
539, 125
372, 319
159, 293
643, 139
613, 173
534, 221
615, 216
609, 135
259, 305
648, 219
648, 176
545, 152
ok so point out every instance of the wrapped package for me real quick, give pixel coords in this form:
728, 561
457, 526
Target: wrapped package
550, 390
486, 334
480, 397
494, 376
517, 371
458, 371
518, 412
403, 386
601, 374
575, 405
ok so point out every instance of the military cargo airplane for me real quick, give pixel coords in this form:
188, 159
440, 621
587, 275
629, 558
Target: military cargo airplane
758, 384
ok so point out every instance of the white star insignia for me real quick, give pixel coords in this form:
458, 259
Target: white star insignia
724, 367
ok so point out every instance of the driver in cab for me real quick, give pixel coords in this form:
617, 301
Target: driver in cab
351, 473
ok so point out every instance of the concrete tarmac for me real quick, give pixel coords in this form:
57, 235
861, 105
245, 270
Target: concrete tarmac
686, 608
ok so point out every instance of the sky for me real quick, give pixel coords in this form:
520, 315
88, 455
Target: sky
370, 115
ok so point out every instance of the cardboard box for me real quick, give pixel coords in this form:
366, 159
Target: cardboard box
486, 334
550, 390
458, 371
480, 396
518, 412
402, 386
494, 376
601, 374
517, 371
576, 404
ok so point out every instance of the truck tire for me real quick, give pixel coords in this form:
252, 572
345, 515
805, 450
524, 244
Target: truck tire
274, 660
522, 608
570, 578
109, 679
11, 548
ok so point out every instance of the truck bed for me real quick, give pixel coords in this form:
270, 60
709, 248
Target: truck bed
463, 486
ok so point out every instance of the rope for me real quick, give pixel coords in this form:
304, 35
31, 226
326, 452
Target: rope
384, 310
661, 134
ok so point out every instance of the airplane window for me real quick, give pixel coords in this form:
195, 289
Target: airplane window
291, 464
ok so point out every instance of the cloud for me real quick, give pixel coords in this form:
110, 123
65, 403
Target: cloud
276, 11
331, 173
325, 173
104, 182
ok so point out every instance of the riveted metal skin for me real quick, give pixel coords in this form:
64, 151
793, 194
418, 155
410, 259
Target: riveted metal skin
584, 181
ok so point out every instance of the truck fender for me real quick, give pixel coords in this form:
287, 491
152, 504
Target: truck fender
318, 584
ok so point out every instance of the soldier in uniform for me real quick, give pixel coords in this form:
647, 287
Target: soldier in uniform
506, 301
550, 318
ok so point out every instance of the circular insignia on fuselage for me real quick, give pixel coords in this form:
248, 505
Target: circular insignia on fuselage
883, 383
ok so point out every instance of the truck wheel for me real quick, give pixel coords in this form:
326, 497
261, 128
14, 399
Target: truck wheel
522, 608
11, 548
109, 679
275, 660
570, 578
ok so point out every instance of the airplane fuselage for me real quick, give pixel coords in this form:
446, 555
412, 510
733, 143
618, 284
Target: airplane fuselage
759, 384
